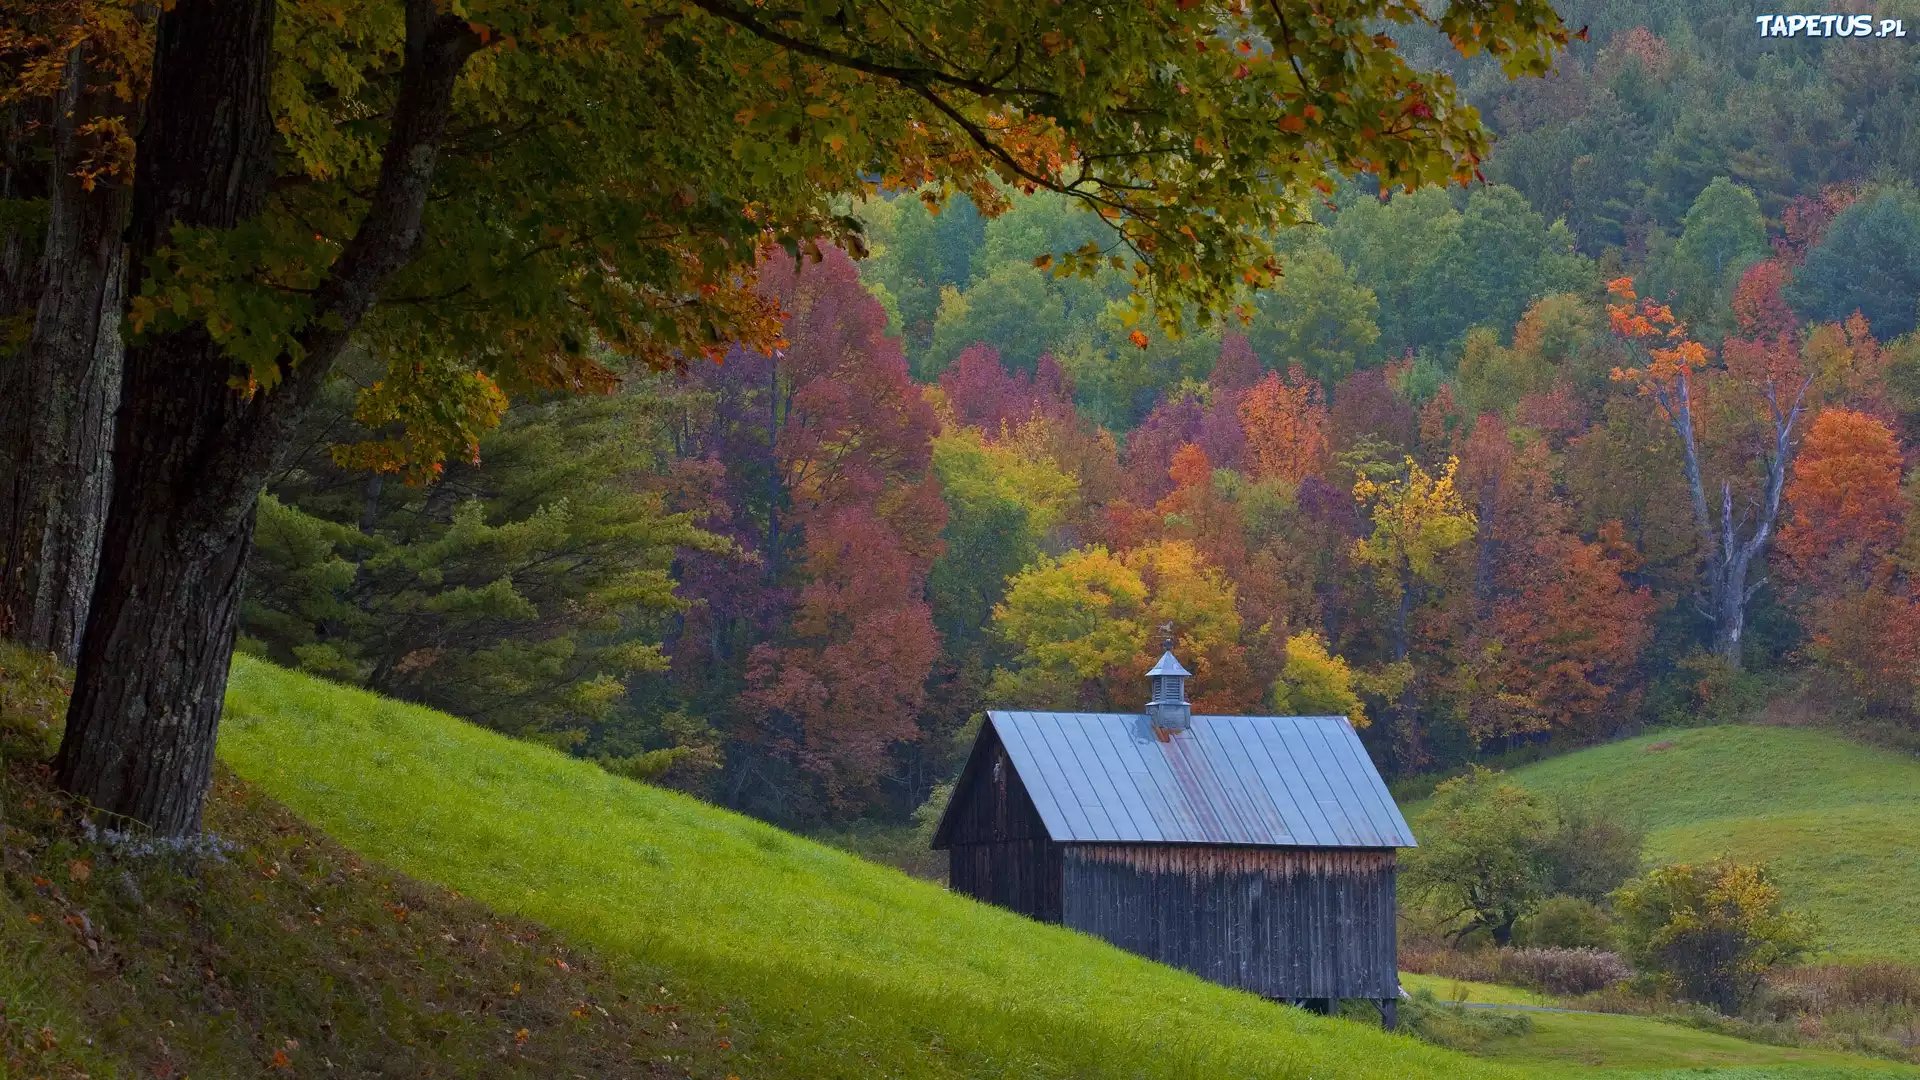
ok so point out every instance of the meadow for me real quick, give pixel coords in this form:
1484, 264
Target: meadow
1838, 822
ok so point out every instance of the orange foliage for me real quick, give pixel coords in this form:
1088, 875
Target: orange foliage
1286, 427
1872, 639
1844, 501
1569, 633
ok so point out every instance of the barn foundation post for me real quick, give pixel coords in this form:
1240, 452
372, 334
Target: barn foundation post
1389, 1013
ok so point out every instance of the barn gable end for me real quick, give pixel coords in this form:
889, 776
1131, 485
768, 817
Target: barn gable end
997, 846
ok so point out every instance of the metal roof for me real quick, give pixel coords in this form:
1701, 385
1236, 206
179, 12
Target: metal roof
1294, 781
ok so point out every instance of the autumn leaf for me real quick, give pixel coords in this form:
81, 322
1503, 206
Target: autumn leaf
1138, 338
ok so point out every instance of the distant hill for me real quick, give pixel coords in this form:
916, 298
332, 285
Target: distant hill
1839, 822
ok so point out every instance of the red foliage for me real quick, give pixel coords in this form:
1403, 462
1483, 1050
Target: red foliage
1364, 403
1759, 310
853, 679
1805, 219
1556, 627
1556, 414
1151, 446
984, 394
844, 681
1234, 373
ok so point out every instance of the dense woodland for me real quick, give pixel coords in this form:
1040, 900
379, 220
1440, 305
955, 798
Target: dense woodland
1518, 374
1615, 435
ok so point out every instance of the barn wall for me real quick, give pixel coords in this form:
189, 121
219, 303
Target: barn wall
1280, 922
999, 849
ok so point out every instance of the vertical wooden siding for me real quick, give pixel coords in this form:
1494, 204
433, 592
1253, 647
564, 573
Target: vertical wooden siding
1279, 922
999, 849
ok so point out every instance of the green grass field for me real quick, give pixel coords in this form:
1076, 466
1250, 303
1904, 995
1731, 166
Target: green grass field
1569, 1043
840, 967
837, 966
1837, 821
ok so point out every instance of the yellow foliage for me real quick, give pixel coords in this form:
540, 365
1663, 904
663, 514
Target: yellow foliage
1015, 470
1086, 625
1315, 682
1416, 519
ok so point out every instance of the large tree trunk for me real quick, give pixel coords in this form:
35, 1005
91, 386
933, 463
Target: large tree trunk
193, 451
55, 440
153, 660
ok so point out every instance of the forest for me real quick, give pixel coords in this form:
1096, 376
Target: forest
1616, 433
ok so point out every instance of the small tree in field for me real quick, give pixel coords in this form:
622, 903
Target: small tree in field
1712, 930
1481, 854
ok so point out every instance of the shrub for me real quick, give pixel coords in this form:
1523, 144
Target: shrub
1711, 931
1566, 922
1876, 983
1563, 972
1480, 853
1591, 853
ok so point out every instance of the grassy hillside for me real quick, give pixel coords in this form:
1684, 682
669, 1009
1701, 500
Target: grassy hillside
672, 939
833, 966
1839, 822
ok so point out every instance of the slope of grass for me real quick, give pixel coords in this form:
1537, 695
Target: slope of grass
276, 952
836, 966
1837, 821
679, 940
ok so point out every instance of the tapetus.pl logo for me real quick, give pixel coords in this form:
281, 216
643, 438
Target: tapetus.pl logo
1854, 26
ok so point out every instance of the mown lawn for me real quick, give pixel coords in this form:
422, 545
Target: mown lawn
839, 967
1837, 821
1570, 1043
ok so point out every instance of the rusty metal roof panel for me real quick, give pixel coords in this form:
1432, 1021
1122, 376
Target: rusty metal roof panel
1292, 781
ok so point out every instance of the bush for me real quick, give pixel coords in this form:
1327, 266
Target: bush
1562, 972
1566, 922
1591, 853
1877, 983
1710, 931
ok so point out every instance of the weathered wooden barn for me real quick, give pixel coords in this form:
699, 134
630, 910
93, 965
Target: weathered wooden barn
1255, 851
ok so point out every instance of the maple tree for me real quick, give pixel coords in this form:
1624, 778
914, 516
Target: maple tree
1763, 362
1085, 625
1284, 423
1845, 509
458, 236
73, 75
1553, 627
815, 655
1315, 682
1417, 518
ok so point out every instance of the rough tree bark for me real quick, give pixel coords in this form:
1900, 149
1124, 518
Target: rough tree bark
193, 452
64, 384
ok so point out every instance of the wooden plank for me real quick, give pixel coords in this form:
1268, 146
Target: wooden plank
1285, 923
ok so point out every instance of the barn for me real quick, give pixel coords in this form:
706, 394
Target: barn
1254, 851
